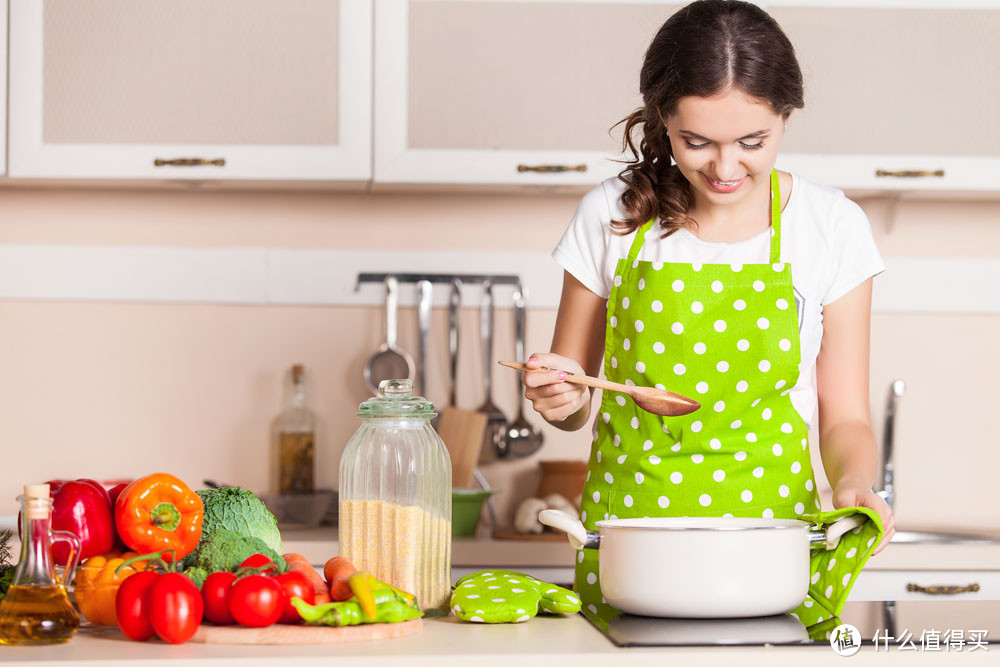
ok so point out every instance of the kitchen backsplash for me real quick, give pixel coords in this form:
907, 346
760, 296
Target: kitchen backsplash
116, 389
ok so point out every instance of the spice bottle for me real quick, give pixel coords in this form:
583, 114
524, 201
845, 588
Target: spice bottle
395, 495
296, 440
36, 609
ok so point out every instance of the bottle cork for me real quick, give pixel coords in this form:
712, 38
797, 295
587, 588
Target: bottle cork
37, 503
36, 490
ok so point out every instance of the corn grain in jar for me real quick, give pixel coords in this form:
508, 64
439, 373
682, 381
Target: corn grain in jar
395, 496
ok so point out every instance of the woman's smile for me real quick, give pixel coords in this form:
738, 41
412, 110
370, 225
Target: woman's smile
724, 186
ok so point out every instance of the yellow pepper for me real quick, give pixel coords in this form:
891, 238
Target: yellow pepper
97, 585
360, 584
364, 585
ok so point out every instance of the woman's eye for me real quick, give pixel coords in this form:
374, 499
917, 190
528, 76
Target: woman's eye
749, 147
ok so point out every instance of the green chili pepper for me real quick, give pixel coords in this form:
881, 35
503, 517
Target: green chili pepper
389, 608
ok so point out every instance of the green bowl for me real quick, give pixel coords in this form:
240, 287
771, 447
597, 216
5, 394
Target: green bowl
466, 506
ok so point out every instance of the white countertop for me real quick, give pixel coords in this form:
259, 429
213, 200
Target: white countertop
544, 640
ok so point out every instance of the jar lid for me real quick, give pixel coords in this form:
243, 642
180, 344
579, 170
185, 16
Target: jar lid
395, 399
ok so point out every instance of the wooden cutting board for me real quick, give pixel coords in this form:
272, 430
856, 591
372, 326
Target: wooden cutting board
462, 432
305, 634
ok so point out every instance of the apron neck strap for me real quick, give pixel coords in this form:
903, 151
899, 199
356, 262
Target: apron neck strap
775, 257
775, 218
640, 236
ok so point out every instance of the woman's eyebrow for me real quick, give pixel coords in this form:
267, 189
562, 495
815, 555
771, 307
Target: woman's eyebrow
758, 133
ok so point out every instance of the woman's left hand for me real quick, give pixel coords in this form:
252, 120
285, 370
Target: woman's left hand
855, 496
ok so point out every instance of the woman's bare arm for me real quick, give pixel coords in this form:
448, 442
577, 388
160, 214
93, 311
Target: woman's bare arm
577, 347
847, 442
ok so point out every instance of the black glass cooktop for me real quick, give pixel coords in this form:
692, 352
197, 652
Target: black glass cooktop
895, 625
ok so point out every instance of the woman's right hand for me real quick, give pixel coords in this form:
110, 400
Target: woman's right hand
550, 395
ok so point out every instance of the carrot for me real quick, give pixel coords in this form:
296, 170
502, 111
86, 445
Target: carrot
298, 562
337, 571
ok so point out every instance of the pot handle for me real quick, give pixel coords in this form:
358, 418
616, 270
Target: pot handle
579, 537
830, 537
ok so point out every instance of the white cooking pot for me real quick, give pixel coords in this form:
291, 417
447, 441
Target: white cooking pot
702, 567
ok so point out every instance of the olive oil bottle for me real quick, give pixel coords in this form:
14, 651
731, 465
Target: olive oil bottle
36, 609
296, 440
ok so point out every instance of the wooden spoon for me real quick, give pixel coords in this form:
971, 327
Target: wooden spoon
651, 399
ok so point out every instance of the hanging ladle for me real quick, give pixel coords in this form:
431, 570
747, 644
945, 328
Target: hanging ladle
388, 362
651, 399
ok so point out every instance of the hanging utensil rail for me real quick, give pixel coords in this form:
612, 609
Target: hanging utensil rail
466, 278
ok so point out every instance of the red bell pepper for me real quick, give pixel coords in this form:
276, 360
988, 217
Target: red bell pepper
82, 507
114, 492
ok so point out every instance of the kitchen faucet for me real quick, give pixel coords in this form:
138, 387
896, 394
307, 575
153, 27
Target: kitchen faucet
886, 488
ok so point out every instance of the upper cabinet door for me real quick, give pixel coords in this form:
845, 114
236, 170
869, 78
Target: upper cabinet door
3, 86
191, 89
897, 98
506, 93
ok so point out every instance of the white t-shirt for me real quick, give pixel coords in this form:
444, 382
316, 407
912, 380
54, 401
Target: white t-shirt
824, 235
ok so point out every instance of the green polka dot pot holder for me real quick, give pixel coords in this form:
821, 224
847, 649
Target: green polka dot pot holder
834, 571
502, 596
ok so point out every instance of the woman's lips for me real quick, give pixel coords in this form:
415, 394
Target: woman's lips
718, 187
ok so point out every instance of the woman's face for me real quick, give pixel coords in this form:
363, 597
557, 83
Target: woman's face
725, 145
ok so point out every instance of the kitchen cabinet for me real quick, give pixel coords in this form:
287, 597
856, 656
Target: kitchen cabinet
481, 93
506, 93
190, 90
874, 584
3, 86
892, 101
897, 98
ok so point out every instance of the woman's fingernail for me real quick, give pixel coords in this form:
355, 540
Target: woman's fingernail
562, 376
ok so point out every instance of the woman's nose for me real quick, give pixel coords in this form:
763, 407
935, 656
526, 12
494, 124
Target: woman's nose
727, 164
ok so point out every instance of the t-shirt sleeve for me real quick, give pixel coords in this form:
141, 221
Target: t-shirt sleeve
583, 249
855, 256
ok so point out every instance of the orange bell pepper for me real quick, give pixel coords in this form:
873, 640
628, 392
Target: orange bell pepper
159, 512
97, 582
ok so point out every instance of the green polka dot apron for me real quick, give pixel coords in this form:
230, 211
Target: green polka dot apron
727, 335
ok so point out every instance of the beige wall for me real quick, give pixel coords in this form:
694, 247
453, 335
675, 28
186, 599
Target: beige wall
111, 390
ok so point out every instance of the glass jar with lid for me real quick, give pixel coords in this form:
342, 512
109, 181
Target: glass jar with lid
395, 496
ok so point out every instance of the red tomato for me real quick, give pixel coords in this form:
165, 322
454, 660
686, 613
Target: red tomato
294, 584
131, 607
175, 607
260, 561
255, 601
215, 595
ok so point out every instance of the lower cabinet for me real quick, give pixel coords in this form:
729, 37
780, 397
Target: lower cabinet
926, 585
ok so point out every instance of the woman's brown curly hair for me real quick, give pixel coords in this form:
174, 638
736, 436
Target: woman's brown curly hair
704, 49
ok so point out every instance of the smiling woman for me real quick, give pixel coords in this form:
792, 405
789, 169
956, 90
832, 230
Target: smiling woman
715, 77
727, 163
703, 269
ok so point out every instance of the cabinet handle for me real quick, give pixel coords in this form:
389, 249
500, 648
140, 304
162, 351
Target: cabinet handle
942, 590
910, 173
551, 168
189, 162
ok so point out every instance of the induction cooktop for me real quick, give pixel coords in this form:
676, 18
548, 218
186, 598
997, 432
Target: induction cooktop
944, 625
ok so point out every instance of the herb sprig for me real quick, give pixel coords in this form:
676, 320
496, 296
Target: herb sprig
6, 566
